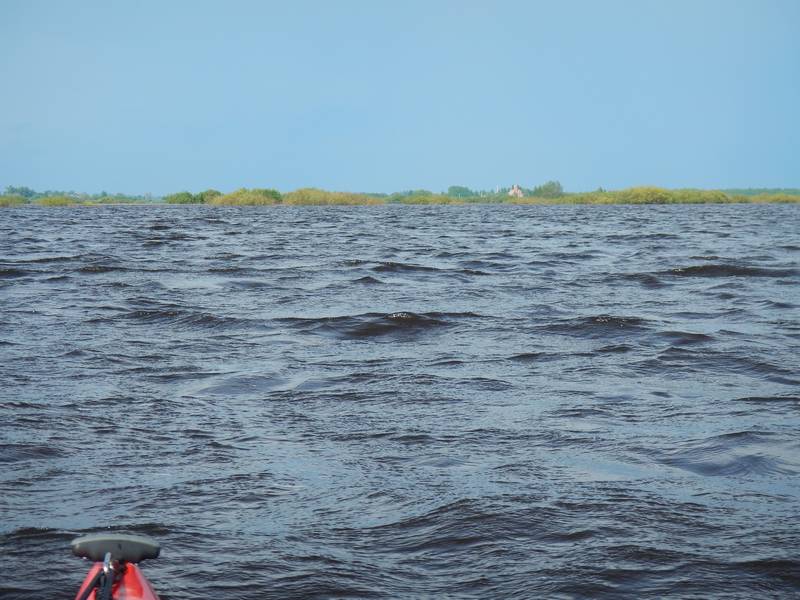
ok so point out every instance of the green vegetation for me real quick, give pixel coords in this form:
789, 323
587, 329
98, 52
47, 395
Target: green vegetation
12, 200
551, 189
429, 198
245, 197
769, 198
762, 191
460, 191
32, 196
22, 191
550, 192
115, 199
205, 197
315, 197
636, 195
57, 201
182, 198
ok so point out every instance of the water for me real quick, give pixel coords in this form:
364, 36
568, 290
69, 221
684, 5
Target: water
405, 402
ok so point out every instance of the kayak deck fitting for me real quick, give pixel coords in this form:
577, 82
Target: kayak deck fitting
115, 574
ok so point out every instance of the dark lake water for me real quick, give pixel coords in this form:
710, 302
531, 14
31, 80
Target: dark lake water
405, 402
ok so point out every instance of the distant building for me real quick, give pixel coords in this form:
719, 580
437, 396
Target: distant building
515, 191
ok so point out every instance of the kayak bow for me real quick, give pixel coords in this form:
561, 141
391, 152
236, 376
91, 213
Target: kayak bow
115, 574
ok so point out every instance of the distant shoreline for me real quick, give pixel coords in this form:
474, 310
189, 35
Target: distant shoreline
317, 197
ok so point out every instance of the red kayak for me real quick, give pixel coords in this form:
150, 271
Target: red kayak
114, 575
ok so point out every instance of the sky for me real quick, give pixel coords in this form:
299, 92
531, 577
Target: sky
381, 96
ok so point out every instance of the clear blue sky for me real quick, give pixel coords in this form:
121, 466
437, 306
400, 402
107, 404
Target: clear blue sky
159, 96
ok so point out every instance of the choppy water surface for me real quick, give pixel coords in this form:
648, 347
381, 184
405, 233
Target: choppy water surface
392, 402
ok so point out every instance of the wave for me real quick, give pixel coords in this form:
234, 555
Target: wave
22, 534
685, 338
246, 385
398, 267
778, 305
367, 280
526, 357
396, 325
233, 270
10, 453
725, 362
248, 284
723, 270
789, 398
616, 349
786, 569
180, 317
99, 269
415, 438
485, 266
12, 273
646, 279
486, 529
741, 453
451, 527
44, 259
598, 326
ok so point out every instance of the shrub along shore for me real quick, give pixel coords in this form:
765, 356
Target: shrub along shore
547, 194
